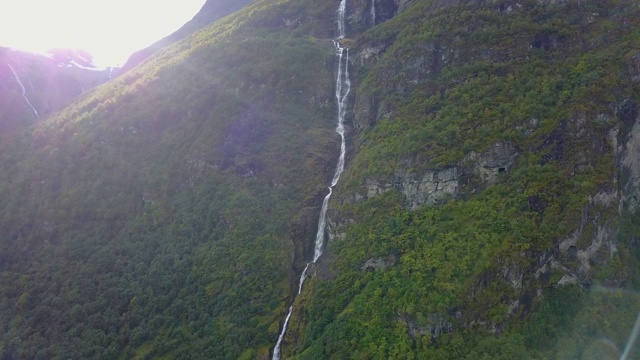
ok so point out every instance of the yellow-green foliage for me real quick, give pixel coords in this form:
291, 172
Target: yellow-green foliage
558, 66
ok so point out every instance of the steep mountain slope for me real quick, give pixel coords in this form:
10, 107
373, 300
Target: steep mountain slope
488, 207
211, 11
493, 182
155, 217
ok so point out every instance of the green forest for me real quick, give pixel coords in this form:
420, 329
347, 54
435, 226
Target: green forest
488, 208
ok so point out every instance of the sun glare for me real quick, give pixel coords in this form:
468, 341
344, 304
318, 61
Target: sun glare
109, 30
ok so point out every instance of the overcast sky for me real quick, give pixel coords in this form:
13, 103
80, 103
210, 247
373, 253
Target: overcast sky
110, 30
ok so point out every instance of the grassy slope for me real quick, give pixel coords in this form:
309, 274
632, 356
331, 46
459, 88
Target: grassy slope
497, 71
153, 218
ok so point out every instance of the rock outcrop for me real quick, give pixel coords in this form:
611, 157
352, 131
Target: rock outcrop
490, 164
434, 186
379, 263
436, 325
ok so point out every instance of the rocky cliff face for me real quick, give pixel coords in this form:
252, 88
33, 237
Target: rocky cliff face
574, 169
475, 172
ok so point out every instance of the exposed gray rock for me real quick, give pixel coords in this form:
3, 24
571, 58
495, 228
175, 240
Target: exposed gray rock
379, 263
333, 228
430, 188
436, 325
490, 164
514, 275
568, 280
433, 186
604, 198
369, 55
374, 188
585, 255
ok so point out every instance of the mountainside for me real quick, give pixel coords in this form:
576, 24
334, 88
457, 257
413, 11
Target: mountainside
211, 11
488, 207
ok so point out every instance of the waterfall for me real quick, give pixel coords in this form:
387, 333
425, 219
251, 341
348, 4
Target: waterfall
343, 86
24, 91
632, 339
33, 91
341, 11
373, 12
276, 349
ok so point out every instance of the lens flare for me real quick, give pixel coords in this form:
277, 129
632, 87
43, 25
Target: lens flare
110, 31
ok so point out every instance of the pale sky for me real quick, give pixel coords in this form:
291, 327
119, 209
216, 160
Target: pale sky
110, 30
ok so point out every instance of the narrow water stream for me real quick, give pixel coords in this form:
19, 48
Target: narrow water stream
343, 86
24, 91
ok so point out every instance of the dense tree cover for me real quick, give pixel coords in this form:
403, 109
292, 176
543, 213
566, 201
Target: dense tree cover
154, 217
167, 213
548, 78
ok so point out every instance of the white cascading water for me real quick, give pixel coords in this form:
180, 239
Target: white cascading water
343, 86
24, 91
33, 91
373, 12
632, 339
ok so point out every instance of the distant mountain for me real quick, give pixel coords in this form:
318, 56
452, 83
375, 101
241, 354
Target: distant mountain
211, 11
33, 86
